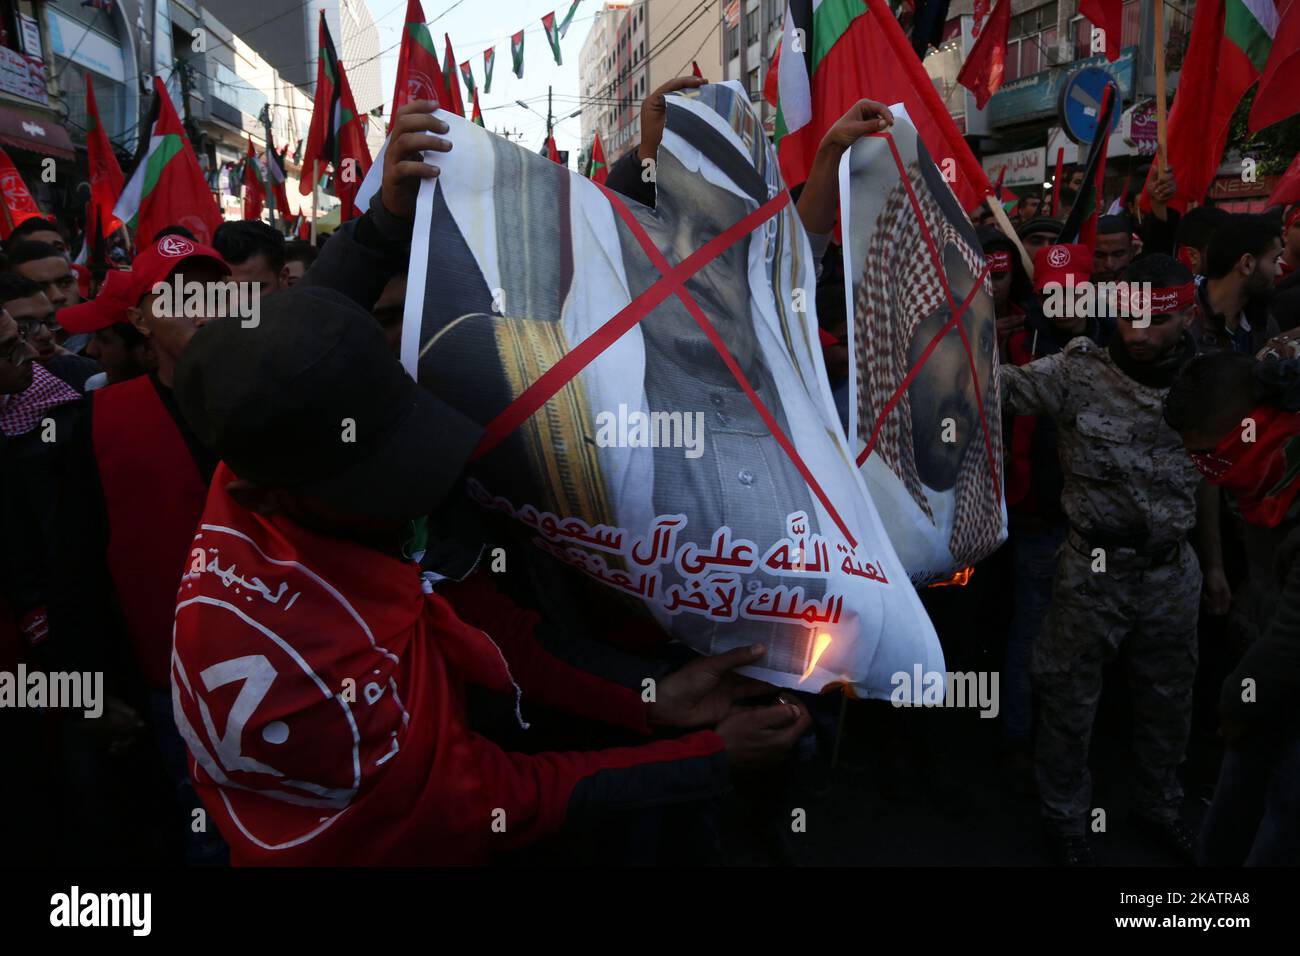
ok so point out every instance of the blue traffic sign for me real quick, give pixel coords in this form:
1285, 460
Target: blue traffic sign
1080, 104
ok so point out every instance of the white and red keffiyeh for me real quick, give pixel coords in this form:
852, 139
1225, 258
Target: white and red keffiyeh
20, 413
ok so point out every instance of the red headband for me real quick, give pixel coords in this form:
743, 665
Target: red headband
999, 261
1164, 300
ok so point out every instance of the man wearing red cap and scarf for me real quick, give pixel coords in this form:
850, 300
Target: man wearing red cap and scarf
1240, 420
1126, 574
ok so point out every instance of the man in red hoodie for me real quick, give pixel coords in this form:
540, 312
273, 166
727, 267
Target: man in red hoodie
319, 678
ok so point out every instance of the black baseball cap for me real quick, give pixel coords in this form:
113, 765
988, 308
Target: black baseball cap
277, 401
1041, 224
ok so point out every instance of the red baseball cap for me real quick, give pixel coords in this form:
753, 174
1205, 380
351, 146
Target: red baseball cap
1055, 263
159, 260
107, 308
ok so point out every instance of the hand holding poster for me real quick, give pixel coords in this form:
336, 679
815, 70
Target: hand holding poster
650, 382
924, 417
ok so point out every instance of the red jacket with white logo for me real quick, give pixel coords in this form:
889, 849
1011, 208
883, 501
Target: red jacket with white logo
322, 697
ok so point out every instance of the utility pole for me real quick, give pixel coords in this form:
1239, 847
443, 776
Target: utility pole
550, 118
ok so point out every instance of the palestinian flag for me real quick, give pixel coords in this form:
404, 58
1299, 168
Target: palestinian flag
517, 53
599, 171
1281, 73
105, 174
552, 36
471, 88
489, 61
275, 176
1227, 52
1081, 222
419, 77
855, 48
477, 116
568, 18
452, 101
167, 185
338, 133
254, 191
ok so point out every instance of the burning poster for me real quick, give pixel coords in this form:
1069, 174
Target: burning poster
650, 381
924, 419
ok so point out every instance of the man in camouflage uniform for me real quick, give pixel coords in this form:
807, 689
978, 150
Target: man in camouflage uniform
1126, 572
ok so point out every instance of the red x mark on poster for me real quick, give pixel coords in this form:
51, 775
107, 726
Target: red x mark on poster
955, 321
672, 281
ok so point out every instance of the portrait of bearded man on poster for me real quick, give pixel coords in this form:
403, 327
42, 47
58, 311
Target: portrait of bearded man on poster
518, 262
935, 447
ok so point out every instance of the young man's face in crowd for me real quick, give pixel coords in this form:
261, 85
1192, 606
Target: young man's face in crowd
121, 362
1112, 256
169, 334
1152, 342
15, 357
50, 236
1029, 208
35, 314
294, 270
56, 276
945, 389
256, 269
1001, 288
1267, 266
1036, 240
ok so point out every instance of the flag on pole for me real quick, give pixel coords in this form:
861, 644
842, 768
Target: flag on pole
1287, 190
857, 45
105, 174
984, 69
489, 61
254, 193
1227, 51
552, 36
598, 172
517, 53
19, 206
772, 82
167, 185
419, 77
275, 176
338, 133
477, 116
453, 101
1081, 222
568, 18
695, 70
1276, 97
552, 153
1109, 16
467, 74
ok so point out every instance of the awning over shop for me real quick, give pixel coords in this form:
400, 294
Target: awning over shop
35, 133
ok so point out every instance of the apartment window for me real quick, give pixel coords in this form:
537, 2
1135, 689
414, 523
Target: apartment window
751, 25
755, 84
732, 41
1031, 40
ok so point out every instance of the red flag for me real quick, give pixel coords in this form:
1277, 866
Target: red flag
695, 69
983, 70
174, 189
254, 193
453, 101
872, 57
997, 186
338, 133
1276, 97
1215, 76
552, 153
1109, 15
19, 206
599, 170
419, 77
477, 117
1287, 190
105, 174
772, 82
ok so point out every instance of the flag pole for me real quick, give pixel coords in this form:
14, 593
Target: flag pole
315, 178
1160, 83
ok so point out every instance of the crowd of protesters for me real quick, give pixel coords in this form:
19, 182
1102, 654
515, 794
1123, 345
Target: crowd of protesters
127, 427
